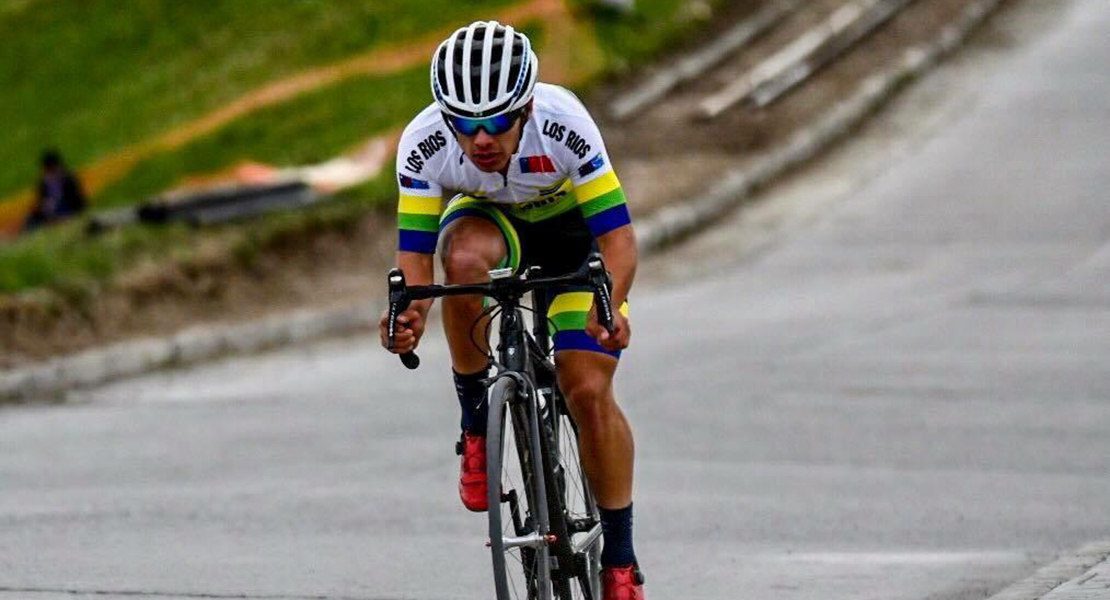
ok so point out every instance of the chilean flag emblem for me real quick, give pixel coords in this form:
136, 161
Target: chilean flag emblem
536, 164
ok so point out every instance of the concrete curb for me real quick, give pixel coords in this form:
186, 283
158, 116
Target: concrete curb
191, 346
1066, 569
120, 361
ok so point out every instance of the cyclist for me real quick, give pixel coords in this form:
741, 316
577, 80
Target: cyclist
530, 184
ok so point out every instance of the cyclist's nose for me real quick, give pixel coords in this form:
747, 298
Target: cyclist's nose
483, 139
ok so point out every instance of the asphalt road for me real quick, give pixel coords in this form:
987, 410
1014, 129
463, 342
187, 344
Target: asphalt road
888, 380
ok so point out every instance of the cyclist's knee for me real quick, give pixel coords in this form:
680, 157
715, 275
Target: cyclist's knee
589, 396
471, 248
466, 265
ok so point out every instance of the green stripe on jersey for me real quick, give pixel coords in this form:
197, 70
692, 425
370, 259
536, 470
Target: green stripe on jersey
418, 222
603, 202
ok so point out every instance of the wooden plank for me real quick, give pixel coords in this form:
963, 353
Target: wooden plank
694, 65
788, 66
865, 26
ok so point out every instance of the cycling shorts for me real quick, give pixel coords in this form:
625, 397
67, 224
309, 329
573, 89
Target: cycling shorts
558, 245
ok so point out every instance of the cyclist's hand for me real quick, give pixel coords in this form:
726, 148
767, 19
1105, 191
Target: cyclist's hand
407, 333
622, 331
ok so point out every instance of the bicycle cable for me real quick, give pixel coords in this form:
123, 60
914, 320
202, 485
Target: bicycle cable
490, 312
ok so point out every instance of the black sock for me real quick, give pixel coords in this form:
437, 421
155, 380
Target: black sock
616, 526
472, 399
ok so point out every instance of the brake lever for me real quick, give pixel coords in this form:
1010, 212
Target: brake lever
398, 302
602, 283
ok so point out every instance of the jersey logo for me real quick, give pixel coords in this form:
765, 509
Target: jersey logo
555, 131
414, 184
592, 166
425, 150
577, 144
536, 164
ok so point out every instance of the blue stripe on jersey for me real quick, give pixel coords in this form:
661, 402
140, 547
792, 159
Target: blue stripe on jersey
423, 242
608, 220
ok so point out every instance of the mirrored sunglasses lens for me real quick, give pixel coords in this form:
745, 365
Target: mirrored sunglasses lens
493, 125
500, 124
465, 126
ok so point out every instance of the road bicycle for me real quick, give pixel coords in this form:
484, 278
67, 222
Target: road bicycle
544, 525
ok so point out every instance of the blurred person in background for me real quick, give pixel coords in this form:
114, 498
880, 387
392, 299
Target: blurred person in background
59, 194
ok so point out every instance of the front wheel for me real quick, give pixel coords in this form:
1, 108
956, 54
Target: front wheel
517, 503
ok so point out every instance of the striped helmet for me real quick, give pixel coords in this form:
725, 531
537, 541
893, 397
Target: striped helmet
483, 70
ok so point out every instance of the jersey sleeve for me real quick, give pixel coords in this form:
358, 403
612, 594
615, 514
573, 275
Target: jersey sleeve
420, 201
596, 187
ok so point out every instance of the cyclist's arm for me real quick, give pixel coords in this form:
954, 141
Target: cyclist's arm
419, 269
618, 249
420, 202
418, 227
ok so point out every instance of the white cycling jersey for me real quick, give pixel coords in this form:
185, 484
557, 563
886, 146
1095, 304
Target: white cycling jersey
560, 164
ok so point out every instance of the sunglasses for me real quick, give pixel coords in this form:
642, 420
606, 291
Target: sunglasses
493, 125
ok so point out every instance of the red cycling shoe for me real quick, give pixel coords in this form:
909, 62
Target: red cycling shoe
622, 583
473, 484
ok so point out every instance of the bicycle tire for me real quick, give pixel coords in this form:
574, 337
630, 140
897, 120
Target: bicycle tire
517, 498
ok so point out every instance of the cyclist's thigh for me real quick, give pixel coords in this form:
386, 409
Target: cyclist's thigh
585, 376
478, 229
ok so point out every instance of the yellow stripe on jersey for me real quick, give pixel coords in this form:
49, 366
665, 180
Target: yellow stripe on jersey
418, 205
601, 185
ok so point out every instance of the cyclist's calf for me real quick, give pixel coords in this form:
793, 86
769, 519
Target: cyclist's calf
586, 379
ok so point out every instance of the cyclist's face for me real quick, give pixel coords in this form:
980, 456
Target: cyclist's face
491, 153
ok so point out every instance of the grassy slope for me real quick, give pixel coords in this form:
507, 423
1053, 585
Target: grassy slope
91, 76
311, 127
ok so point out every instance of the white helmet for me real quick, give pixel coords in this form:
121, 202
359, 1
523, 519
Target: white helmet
483, 70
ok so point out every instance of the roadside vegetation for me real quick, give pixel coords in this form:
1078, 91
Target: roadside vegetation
166, 63
92, 76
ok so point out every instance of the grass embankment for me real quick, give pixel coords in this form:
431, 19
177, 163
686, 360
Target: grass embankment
311, 127
94, 76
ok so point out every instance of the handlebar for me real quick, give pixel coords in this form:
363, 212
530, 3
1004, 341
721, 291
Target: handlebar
592, 273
